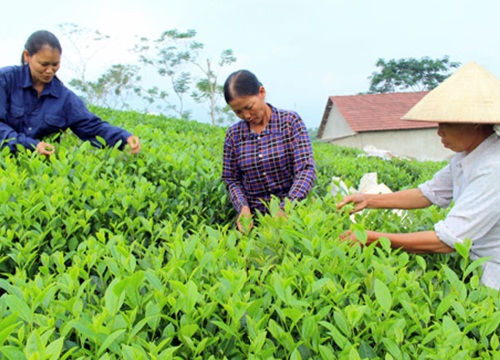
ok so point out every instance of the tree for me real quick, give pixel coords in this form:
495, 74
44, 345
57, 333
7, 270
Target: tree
84, 44
113, 88
169, 55
209, 90
416, 75
173, 55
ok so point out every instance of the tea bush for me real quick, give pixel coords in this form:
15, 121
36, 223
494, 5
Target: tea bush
104, 255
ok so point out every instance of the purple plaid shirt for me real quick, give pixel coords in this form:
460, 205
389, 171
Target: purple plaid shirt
279, 161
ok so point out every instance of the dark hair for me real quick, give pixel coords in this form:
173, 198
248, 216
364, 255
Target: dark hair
37, 40
241, 83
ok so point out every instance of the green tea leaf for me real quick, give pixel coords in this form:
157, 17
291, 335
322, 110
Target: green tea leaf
110, 340
475, 264
392, 348
491, 325
326, 352
20, 307
115, 295
336, 335
494, 343
383, 295
444, 305
54, 349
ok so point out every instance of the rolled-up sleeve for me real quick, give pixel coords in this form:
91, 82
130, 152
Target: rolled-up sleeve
439, 190
475, 212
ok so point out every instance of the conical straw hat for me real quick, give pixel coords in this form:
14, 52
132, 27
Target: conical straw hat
470, 95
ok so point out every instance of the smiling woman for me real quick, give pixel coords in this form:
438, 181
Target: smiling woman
34, 103
43, 54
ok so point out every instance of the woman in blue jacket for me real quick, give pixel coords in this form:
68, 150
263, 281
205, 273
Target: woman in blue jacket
34, 103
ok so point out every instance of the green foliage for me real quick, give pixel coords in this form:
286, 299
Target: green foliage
104, 255
350, 164
415, 74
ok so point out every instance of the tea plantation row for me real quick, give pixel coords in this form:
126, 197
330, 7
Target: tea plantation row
105, 255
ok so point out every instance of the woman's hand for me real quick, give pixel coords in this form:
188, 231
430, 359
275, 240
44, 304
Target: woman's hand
282, 214
244, 221
135, 144
359, 200
44, 148
350, 236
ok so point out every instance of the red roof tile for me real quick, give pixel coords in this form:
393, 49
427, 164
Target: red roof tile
378, 112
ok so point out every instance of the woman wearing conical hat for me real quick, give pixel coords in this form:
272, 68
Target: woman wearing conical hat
466, 107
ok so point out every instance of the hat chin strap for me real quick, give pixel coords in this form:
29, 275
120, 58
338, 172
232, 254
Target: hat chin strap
496, 128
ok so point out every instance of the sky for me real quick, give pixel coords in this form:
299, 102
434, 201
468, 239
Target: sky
302, 51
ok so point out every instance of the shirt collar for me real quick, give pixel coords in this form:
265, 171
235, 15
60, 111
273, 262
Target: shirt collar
272, 126
26, 77
479, 151
53, 88
274, 123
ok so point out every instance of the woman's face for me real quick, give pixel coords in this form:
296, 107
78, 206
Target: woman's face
252, 109
43, 64
460, 137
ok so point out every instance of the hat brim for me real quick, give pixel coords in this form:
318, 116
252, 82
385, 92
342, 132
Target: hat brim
470, 95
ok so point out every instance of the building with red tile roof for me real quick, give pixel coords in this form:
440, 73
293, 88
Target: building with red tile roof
374, 120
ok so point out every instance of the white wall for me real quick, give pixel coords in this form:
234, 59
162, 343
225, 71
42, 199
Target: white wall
336, 126
419, 144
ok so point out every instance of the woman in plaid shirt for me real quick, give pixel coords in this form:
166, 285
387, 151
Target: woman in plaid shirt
267, 154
